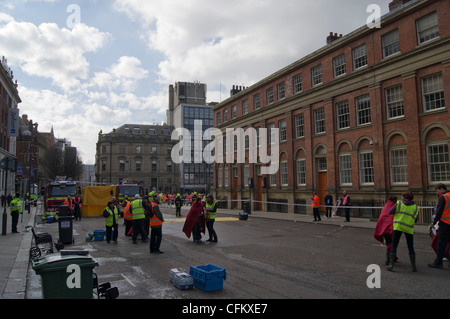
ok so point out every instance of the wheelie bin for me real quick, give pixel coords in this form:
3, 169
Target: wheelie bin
66, 276
65, 227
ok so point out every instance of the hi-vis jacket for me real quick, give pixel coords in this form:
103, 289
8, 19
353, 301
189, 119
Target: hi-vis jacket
211, 210
112, 215
137, 209
445, 218
405, 217
156, 220
16, 205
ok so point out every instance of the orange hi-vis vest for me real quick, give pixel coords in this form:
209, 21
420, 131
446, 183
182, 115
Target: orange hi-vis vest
69, 203
316, 202
445, 218
127, 215
154, 220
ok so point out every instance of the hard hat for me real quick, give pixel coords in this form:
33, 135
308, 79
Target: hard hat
137, 196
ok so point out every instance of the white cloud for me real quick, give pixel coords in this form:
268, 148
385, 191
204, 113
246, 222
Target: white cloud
123, 76
49, 51
238, 42
228, 42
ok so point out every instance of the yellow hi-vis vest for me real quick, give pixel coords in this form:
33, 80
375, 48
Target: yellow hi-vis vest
211, 214
109, 221
16, 205
137, 209
405, 217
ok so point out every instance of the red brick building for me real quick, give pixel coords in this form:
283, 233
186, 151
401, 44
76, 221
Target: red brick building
367, 114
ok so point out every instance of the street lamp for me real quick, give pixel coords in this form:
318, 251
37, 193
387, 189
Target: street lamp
28, 136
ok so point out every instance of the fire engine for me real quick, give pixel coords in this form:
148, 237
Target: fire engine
128, 189
56, 192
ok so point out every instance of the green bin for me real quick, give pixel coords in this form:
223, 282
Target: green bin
62, 280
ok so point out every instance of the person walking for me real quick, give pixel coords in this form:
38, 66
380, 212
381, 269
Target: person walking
178, 205
111, 214
442, 218
211, 210
346, 203
315, 206
384, 228
328, 204
156, 222
137, 209
406, 215
15, 210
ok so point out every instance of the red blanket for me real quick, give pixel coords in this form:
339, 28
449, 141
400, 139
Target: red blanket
434, 243
385, 222
193, 217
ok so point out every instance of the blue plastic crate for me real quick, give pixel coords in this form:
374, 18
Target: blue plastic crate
99, 235
208, 277
51, 219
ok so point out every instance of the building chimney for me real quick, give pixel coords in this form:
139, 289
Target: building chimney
333, 37
236, 89
396, 4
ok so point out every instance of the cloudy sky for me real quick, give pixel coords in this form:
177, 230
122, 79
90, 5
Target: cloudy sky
85, 66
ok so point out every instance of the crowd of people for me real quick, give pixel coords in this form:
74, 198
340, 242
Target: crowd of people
142, 217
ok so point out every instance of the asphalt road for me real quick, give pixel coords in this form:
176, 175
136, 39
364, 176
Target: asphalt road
263, 258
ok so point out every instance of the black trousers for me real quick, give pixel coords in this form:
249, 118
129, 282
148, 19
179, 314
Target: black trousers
329, 211
112, 232
443, 241
316, 214
211, 231
155, 239
396, 239
77, 213
347, 214
138, 228
197, 232
14, 221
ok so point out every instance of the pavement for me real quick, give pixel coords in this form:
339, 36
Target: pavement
14, 248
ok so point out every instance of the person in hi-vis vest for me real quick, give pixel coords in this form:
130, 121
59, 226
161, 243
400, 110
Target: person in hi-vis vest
111, 214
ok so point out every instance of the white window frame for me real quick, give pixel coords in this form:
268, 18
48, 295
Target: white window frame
443, 162
427, 28
398, 159
319, 121
345, 169
366, 173
363, 110
343, 115
391, 43
339, 66
284, 174
359, 55
316, 75
433, 89
301, 171
394, 102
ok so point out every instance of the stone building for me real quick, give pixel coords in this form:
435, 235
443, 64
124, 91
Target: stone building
135, 154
